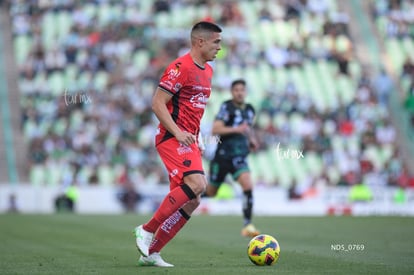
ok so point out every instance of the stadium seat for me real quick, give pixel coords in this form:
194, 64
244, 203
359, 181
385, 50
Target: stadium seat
90, 9
56, 82
105, 175
281, 78
314, 87
407, 44
76, 120
60, 125
381, 24
346, 91
22, 47
396, 53
63, 25
37, 175
313, 163
53, 174
162, 20
141, 60
84, 80
49, 30
333, 174
70, 74
100, 80
104, 13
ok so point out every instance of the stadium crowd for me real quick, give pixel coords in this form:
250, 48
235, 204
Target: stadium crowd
395, 22
88, 70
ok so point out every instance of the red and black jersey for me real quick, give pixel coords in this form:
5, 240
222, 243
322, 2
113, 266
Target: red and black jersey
190, 87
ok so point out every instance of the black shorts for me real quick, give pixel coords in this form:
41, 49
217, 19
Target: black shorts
219, 168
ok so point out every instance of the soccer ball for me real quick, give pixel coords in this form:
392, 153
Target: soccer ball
263, 250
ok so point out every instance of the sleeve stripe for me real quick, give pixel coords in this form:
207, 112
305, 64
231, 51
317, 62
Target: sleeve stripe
165, 90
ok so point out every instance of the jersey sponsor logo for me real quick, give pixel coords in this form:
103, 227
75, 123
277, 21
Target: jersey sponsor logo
171, 221
174, 73
174, 173
172, 199
166, 85
201, 88
199, 100
182, 149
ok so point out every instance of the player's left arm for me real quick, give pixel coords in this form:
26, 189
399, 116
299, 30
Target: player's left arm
253, 141
251, 135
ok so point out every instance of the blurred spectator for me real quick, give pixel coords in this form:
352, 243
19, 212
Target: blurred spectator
383, 86
293, 193
293, 9
408, 68
128, 195
12, 207
231, 15
161, 6
66, 201
294, 56
276, 55
385, 133
340, 50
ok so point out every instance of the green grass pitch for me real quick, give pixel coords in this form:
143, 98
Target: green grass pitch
104, 244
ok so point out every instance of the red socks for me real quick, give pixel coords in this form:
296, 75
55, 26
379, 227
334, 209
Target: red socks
171, 203
168, 230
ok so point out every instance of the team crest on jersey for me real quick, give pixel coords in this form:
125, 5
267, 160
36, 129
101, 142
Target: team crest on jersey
199, 100
182, 149
177, 86
187, 163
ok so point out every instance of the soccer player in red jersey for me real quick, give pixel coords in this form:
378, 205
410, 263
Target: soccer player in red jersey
179, 104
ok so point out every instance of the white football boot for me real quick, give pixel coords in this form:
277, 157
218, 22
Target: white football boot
143, 240
153, 260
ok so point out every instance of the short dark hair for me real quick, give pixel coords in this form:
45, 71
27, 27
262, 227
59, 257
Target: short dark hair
237, 82
205, 26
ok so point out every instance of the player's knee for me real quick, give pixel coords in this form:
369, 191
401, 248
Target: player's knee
192, 205
245, 181
197, 183
211, 191
247, 186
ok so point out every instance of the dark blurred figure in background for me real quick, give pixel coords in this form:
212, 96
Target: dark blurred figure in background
12, 208
129, 197
66, 201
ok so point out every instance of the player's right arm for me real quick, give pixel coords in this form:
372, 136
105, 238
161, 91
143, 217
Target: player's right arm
159, 107
220, 128
223, 117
